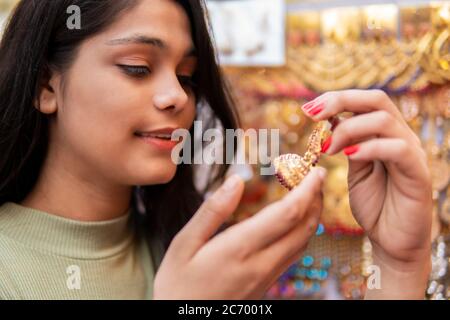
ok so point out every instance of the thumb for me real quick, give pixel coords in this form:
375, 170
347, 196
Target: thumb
211, 215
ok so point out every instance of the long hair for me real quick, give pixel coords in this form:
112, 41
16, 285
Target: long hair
37, 40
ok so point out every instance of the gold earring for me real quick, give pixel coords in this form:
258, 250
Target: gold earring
291, 169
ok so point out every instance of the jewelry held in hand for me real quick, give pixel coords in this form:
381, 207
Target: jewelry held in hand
291, 169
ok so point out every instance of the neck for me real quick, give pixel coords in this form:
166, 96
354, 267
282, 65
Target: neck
64, 191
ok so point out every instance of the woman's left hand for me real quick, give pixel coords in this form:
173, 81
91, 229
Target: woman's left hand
389, 185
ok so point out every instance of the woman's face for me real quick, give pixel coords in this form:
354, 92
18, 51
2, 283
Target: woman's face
125, 85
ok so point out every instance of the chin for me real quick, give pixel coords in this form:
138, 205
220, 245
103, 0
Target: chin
164, 177
146, 172
156, 176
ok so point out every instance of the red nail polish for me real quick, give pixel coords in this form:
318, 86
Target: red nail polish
316, 110
308, 105
351, 150
326, 145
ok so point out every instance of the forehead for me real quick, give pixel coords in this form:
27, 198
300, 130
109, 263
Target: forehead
162, 19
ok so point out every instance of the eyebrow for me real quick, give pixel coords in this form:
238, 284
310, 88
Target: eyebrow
151, 41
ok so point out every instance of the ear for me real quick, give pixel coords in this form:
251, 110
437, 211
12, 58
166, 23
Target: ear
47, 102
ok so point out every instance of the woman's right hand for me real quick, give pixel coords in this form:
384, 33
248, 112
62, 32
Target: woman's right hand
243, 261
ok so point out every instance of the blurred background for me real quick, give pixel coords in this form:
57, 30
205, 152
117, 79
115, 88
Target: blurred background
279, 54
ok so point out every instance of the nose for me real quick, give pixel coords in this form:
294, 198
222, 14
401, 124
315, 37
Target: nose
169, 94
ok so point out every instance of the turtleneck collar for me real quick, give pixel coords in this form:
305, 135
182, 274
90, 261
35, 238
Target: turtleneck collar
65, 237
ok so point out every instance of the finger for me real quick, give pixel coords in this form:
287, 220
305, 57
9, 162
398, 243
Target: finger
277, 257
331, 104
395, 152
276, 220
272, 261
275, 273
290, 244
364, 127
209, 218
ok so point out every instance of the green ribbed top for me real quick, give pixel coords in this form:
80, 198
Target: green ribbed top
43, 256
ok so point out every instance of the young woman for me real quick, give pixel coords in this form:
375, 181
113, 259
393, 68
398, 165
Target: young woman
91, 204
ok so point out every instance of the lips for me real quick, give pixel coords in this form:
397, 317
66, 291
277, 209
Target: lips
163, 133
154, 135
161, 138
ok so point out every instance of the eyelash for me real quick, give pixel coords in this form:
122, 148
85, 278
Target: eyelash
135, 71
142, 71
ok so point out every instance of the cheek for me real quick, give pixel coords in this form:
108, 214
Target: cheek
95, 111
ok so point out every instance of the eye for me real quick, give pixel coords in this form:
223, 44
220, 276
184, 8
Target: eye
135, 71
187, 81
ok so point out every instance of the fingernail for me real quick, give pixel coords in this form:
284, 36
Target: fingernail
322, 172
231, 183
351, 150
317, 109
308, 105
326, 145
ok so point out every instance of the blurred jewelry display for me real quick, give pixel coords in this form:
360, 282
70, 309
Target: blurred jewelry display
439, 285
360, 48
330, 50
